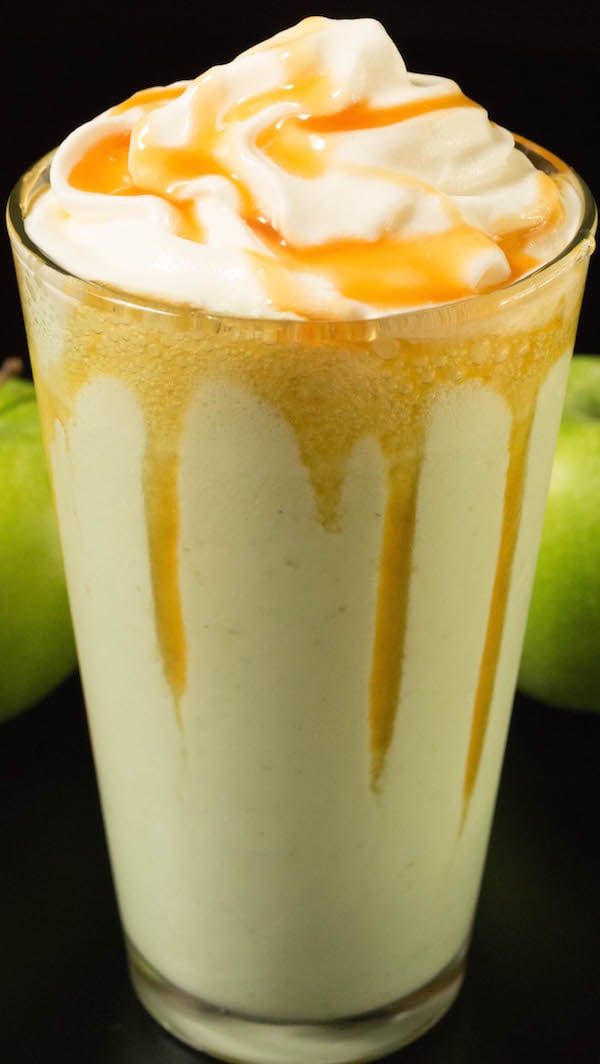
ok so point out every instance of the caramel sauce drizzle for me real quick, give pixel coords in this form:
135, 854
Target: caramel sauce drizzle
392, 607
387, 272
150, 98
311, 92
297, 142
362, 115
369, 395
161, 498
342, 392
520, 388
104, 167
163, 422
513, 499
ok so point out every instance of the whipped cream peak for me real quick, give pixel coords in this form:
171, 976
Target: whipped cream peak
312, 177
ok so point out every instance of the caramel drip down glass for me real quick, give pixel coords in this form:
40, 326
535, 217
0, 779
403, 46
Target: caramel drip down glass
299, 558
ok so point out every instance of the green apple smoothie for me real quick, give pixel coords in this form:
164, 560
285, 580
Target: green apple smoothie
300, 426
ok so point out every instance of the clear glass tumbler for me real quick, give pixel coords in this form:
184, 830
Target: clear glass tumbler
299, 559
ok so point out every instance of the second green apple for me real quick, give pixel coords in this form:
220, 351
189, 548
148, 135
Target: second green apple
37, 649
561, 654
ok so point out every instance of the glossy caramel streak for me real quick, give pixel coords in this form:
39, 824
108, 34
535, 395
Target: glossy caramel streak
364, 116
513, 499
162, 518
104, 167
392, 605
150, 98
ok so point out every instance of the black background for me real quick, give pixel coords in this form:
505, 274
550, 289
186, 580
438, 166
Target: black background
533, 988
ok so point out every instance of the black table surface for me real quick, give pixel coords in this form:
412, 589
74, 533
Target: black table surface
532, 988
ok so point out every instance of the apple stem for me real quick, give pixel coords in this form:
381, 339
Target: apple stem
11, 367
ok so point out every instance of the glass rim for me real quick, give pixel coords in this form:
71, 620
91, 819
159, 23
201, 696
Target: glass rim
453, 313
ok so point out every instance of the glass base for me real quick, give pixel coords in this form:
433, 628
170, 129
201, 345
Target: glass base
244, 1039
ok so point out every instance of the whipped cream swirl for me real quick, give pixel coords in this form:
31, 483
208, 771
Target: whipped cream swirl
312, 177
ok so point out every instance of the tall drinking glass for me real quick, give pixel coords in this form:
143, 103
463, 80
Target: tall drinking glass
299, 559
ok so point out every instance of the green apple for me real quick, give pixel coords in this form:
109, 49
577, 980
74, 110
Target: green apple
561, 654
37, 650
